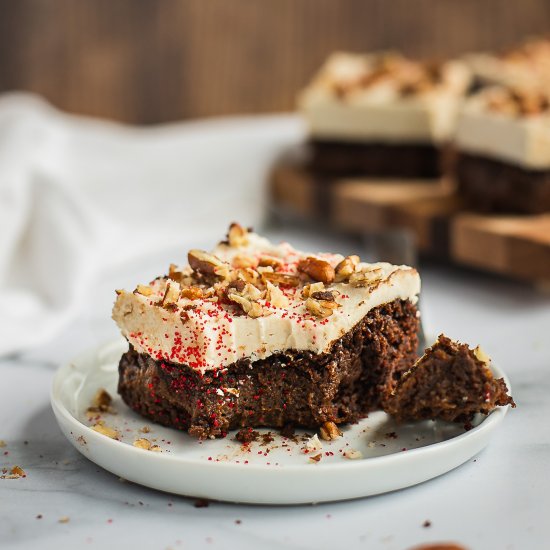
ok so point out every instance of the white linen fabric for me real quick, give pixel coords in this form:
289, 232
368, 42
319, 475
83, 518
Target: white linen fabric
80, 196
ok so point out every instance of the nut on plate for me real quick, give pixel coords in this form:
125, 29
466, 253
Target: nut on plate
237, 235
330, 431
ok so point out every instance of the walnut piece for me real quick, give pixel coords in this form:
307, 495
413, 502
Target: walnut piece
329, 431
482, 356
321, 308
316, 458
251, 308
346, 268
237, 235
317, 269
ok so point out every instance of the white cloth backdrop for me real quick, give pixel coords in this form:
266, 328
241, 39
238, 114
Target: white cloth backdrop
80, 196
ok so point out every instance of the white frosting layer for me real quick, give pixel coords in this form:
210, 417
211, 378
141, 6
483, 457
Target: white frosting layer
379, 112
213, 335
520, 140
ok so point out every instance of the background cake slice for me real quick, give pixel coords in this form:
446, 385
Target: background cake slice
382, 114
255, 334
449, 382
503, 139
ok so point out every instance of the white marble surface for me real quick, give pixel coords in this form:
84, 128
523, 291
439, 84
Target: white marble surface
500, 500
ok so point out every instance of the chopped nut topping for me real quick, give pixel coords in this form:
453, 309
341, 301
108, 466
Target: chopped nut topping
252, 309
270, 261
325, 295
317, 269
142, 443
145, 429
316, 458
63, 519
241, 262
353, 454
192, 292
321, 308
2, 443
144, 290
207, 264
249, 275
237, 235
346, 268
516, 101
156, 449
365, 277
330, 431
171, 294
281, 279
308, 290
275, 296
106, 430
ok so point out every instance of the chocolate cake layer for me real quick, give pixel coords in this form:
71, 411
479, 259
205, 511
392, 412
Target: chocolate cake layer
450, 382
495, 186
340, 158
295, 387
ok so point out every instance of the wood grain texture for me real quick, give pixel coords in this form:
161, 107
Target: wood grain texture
150, 61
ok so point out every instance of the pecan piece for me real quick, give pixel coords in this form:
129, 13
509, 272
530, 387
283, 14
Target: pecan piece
321, 308
346, 268
329, 431
281, 279
207, 264
237, 235
318, 270
192, 292
270, 261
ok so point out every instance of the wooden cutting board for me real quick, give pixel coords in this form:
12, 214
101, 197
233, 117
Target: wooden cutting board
441, 224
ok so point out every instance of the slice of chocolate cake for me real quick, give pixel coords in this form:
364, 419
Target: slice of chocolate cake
449, 382
382, 115
255, 334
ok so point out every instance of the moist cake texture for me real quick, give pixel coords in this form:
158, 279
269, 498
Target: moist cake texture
449, 382
255, 334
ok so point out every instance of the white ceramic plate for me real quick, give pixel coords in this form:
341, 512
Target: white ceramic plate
276, 472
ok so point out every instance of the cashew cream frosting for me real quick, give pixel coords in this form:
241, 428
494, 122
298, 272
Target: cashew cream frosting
349, 100
517, 139
211, 333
